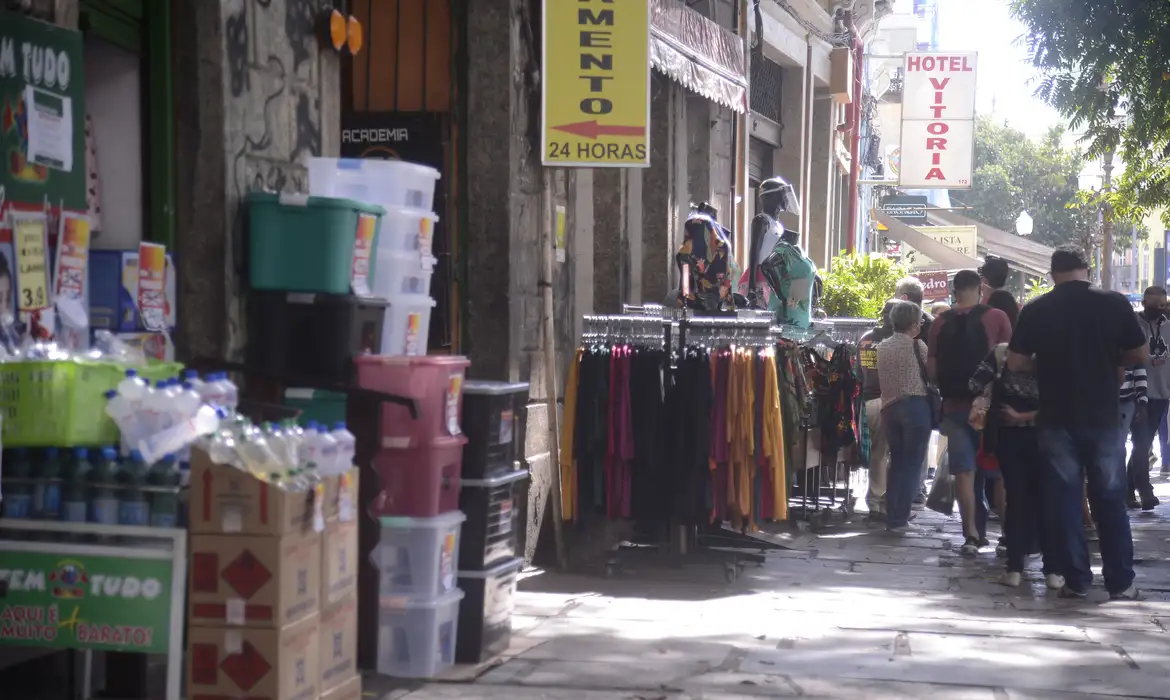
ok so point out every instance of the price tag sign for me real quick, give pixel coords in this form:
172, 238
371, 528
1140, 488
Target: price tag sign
152, 285
31, 247
72, 256
363, 248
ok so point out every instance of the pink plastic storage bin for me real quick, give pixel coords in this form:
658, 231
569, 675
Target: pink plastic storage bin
435, 382
420, 482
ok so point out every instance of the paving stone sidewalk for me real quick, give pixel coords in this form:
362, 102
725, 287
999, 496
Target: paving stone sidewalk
853, 613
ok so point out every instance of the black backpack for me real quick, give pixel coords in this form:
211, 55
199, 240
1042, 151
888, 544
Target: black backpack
961, 345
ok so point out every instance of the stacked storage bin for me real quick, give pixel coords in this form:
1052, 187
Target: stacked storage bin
403, 257
494, 496
417, 506
308, 260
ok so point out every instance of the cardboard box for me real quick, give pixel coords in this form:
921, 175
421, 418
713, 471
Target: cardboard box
341, 496
251, 581
351, 690
275, 664
229, 501
339, 562
338, 644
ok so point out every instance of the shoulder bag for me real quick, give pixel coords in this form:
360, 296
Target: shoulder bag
933, 397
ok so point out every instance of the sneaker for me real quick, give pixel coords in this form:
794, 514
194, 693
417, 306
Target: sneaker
1054, 582
931, 472
1011, 579
919, 501
1001, 551
1066, 592
1091, 533
1131, 501
1131, 593
984, 542
970, 548
1150, 501
907, 529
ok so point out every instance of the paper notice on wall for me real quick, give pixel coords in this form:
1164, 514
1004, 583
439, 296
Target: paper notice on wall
152, 285
30, 246
50, 128
71, 281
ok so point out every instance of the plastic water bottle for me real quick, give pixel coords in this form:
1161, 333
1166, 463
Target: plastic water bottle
18, 486
163, 480
213, 391
178, 436
133, 508
103, 484
191, 377
47, 486
132, 387
346, 446
226, 394
328, 451
75, 483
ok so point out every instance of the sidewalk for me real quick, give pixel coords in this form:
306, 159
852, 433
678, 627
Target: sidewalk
856, 614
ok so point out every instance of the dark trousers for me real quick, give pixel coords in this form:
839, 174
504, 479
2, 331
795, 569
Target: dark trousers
1022, 467
1138, 471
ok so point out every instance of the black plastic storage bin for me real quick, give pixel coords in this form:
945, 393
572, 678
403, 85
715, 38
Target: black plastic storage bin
312, 336
491, 532
485, 616
494, 417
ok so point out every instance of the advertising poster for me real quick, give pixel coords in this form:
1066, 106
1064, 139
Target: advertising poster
31, 244
152, 285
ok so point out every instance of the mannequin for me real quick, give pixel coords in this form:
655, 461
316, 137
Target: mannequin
792, 279
705, 262
776, 197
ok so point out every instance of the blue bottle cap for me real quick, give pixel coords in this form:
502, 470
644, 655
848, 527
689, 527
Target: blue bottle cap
109, 453
111, 394
187, 386
190, 374
135, 455
339, 425
51, 452
80, 453
131, 372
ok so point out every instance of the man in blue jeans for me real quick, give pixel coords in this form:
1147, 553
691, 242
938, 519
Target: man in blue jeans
960, 338
1079, 339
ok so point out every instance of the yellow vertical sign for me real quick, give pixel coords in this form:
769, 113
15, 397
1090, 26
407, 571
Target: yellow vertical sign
596, 84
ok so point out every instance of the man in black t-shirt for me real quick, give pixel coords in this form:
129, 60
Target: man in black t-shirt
1079, 339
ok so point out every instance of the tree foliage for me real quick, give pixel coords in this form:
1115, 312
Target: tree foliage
1014, 174
1106, 68
858, 286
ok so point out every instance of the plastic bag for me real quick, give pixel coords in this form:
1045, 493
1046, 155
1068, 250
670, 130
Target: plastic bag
942, 492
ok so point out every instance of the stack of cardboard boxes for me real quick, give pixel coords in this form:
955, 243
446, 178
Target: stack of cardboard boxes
273, 590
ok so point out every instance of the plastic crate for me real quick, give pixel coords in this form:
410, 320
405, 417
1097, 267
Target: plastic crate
492, 529
494, 417
63, 404
324, 407
306, 244
417, 557
420, 482
416, 638
435, 382
403, 274
312, 336
408, 325
485, 616
408, 231
387, 183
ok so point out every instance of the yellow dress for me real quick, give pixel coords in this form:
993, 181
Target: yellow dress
773, 438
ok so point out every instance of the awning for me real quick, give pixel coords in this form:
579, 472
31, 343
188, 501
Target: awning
947, 258
1022, 254
698, 54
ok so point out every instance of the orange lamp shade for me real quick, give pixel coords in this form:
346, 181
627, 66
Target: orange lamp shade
354, 36
337, 30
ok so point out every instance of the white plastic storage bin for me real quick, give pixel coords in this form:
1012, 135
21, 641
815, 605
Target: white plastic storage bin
402, 274
416, 638
407, 231
407, 325
418, 557
387, 183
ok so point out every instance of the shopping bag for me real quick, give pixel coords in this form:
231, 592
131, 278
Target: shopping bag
942, 492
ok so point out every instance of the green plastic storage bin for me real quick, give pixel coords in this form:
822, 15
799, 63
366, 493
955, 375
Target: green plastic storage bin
325, 407
63, 403
298, 243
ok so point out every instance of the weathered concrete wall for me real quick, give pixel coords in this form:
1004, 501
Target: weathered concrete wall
823, 165
255, 95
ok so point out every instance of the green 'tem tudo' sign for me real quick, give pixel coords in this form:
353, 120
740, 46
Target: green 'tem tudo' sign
73, 601
42, 114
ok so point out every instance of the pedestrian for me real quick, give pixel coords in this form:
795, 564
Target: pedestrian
906, 412
1078, 339
960, 339
1018, 453
912, 290
871, 396
1152, 320
1134, 416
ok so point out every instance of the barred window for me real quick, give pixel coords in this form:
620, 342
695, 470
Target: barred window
765, 87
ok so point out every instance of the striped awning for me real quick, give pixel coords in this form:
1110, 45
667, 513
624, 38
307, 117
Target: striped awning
698, 54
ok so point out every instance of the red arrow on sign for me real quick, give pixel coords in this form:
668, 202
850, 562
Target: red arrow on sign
246, 668
591, 130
